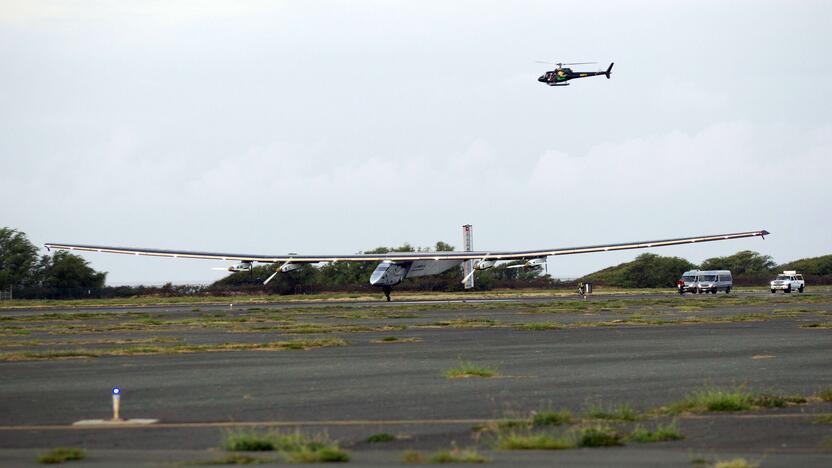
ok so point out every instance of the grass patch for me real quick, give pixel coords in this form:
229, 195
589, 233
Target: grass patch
734, 463
766, 400
551, 418
825, 394
176, 349
817, 325
825, 419
395, 339
534, 441
468, 369
662, 433
233, 459
412, 456
623, 412
381, 437
309, 454
456, 455
540, 326
241, 440
465, 323
62, 454
712, 399
734, 399
599, 436
296, 447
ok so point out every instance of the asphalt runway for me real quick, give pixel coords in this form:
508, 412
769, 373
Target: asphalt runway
645, 351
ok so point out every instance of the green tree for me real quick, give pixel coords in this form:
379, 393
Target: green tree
443, 247
741, 263
817, 266
64, 270
646, 271
18, 259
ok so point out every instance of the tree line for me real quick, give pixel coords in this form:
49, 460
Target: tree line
346, 276
66, 275
747, 268
63, 274
22, 267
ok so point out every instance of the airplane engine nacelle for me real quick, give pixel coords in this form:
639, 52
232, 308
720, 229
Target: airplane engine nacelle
536, 262
286, 267
484, 264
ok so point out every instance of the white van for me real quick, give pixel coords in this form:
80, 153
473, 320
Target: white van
688, 282
713, 281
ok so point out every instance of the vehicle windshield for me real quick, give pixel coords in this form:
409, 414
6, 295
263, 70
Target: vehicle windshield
689, 278
782, 277
707, 278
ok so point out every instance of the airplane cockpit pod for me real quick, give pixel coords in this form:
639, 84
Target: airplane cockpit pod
245, 266
388, 274
286, 267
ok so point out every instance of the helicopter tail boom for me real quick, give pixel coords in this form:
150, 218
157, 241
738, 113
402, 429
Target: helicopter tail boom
609, 70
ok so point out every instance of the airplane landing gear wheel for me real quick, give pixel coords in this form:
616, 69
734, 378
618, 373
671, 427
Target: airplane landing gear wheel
387, 290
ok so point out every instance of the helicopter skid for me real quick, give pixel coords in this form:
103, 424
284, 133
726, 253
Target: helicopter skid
559, 84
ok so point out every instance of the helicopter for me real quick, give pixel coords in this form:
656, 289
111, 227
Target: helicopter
560, 75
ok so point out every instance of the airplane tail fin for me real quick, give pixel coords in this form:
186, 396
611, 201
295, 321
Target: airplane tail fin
609, 70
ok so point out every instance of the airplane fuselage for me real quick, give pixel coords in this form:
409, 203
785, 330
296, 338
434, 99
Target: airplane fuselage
389, 273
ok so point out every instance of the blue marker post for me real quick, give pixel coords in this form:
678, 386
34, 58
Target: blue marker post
116, 403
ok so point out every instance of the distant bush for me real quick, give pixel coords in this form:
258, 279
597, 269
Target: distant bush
646, 271
817, 266
741, 263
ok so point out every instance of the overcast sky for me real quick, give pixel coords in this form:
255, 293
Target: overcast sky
335, 127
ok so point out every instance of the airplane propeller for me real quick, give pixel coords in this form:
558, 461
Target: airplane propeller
481, 264
276, 271
473, 269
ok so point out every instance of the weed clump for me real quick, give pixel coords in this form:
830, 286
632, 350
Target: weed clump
825, 394
62, 454
468, 369
712, 399
412, 456
662, 433
296, 446
233, 459
776, 401
457, 455
600, 436
735, 399
552, 418
381, 437
735, 463
247, 441
538, 326
540, 441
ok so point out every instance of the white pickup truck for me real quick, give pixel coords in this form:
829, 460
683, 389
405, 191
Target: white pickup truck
788, 281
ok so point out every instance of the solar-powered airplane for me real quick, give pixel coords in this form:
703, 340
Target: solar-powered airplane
394, 267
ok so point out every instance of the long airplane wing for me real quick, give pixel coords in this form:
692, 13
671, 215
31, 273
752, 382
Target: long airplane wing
406, 256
